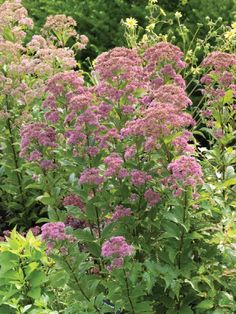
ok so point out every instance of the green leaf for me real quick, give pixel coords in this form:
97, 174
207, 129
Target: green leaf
228, 97
83, 235
34, 293
185, 310
205, 305
94, 248
26, 308
229, 182
45, 199
37, 278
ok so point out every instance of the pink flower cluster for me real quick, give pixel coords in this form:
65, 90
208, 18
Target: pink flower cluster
15, 17
181, 144
119, 64
120, 73
139, 177
113, 162
185, 171
172, 94
91, 176
219, 79
162, 61
121, 211
219, 60
37, 135
158, 120
73, 200
116, 248
152, 197
54, 231
39, 58
60, 24
60, 83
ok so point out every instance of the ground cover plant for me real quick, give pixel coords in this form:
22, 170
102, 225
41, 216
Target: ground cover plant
109, 201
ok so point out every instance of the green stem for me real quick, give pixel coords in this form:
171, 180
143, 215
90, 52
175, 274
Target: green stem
181, 244
78, 284
15, 160
128, 292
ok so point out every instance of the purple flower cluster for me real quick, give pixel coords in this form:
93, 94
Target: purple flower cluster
53, 232
116, 248
35, 138
152, 197
91, 176
185, 171
139, 177
73, 200
219, 60
121, 211
163, 60
113, 163
181, 144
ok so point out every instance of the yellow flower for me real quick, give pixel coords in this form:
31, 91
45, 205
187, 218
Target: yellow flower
178, 15
195, 70
233, 25
230, 34
145, 38
131, 23
150, 27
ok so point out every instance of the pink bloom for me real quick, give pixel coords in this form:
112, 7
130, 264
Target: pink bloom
152, 197
219, 60
116, 247
54, 231
47, 164
181, 143
91, 176
113, 162
73, 200
36, 134
35, 156
36, 230
139, 177
60, 82
52, 116
123, 173
186, 171
130, 152
116, 263
121, 211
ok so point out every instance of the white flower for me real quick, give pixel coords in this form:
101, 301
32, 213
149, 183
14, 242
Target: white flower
131, 23
178, 15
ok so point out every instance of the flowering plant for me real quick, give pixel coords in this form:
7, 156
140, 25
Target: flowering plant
131, 213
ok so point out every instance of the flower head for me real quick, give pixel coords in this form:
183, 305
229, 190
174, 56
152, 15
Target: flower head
131, 23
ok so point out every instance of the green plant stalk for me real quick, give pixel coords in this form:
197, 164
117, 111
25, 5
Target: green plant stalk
78, 284
183, 230
181, 244
94, 192
14, 154
128, 292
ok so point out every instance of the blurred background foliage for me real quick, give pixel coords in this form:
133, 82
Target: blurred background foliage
100, 19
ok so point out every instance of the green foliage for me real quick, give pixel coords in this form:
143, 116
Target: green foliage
99, 20
182, 259
23, 271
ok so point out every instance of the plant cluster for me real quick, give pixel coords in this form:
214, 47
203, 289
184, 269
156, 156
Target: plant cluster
127, 212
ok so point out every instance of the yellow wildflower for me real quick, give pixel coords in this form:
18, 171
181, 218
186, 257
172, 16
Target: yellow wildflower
178, 14
131, 23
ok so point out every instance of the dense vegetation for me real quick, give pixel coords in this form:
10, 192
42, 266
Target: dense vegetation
117, 172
